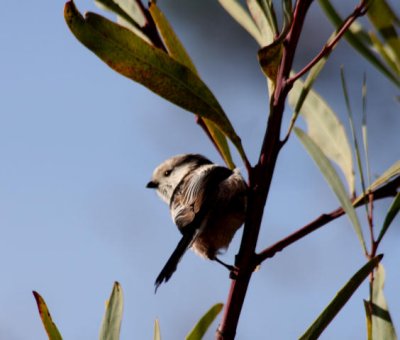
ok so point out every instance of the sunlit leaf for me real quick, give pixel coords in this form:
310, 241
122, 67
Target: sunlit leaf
129, 14
341, 298
257, 12
357, 41
326, 130
176, 50
389, 174
378, 311
204, 323
49, 325
111, 325
129, 55
237, 12
333, 180
390, 216
157, 332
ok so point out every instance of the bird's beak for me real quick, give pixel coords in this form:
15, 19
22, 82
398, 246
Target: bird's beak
152, 185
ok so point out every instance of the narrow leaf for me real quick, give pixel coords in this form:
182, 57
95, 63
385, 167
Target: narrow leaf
157, 332
341, 298
391, 214
269, 58
49, 325
111, 325
129, 55
204, 323
267, 31
333, 180
177, 51
382, 325
326, 130
237, 12
357, 41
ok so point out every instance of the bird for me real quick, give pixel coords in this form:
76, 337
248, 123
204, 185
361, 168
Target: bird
207, 203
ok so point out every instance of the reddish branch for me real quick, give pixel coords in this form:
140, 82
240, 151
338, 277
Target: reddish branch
260, 176
388, 190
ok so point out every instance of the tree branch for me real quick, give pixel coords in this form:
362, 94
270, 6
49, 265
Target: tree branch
387, 190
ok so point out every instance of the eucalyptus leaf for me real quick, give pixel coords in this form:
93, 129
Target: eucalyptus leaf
333, 180
204, 323
49, 325
157, 332
341, 298
259, 17
390, 216
111, 325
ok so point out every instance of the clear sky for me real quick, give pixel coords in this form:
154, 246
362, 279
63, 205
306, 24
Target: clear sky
78, 143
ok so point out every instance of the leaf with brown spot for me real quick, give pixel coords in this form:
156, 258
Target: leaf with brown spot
49, 325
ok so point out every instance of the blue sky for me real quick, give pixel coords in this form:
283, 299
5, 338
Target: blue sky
78, 143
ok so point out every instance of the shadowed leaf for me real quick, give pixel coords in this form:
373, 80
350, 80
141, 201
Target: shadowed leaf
381, 325
204, 323
341, 298
49, 325
333, 180
391, 214
111, 325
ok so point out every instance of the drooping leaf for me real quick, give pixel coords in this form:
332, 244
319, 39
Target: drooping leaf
237, 12
111, 325
176, 50
49, 325
377, 310
326, 130
356, 39
204, 323
329, 172
390, 216
129, 55
341, 298
157, 332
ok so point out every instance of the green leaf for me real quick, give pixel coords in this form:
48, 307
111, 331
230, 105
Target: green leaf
237, 12
111, 325
49, 325
377, 310
325, 129
129, 55
177, 51
157, 333
357, 40
333, 180
391, 214
341, 298
204, 323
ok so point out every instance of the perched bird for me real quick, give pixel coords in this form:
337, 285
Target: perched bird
207, 203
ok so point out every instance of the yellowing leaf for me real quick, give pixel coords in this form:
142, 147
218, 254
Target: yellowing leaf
49, 325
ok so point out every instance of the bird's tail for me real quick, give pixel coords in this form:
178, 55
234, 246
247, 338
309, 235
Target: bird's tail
170, 267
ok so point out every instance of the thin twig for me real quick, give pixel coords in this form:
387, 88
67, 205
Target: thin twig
359, 11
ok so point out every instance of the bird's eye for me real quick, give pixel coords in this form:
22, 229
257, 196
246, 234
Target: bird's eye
167, 173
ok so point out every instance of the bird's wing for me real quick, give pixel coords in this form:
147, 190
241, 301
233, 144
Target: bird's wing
190, 203
194, 195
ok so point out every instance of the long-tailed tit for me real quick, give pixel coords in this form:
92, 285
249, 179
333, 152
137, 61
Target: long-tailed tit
207, 203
